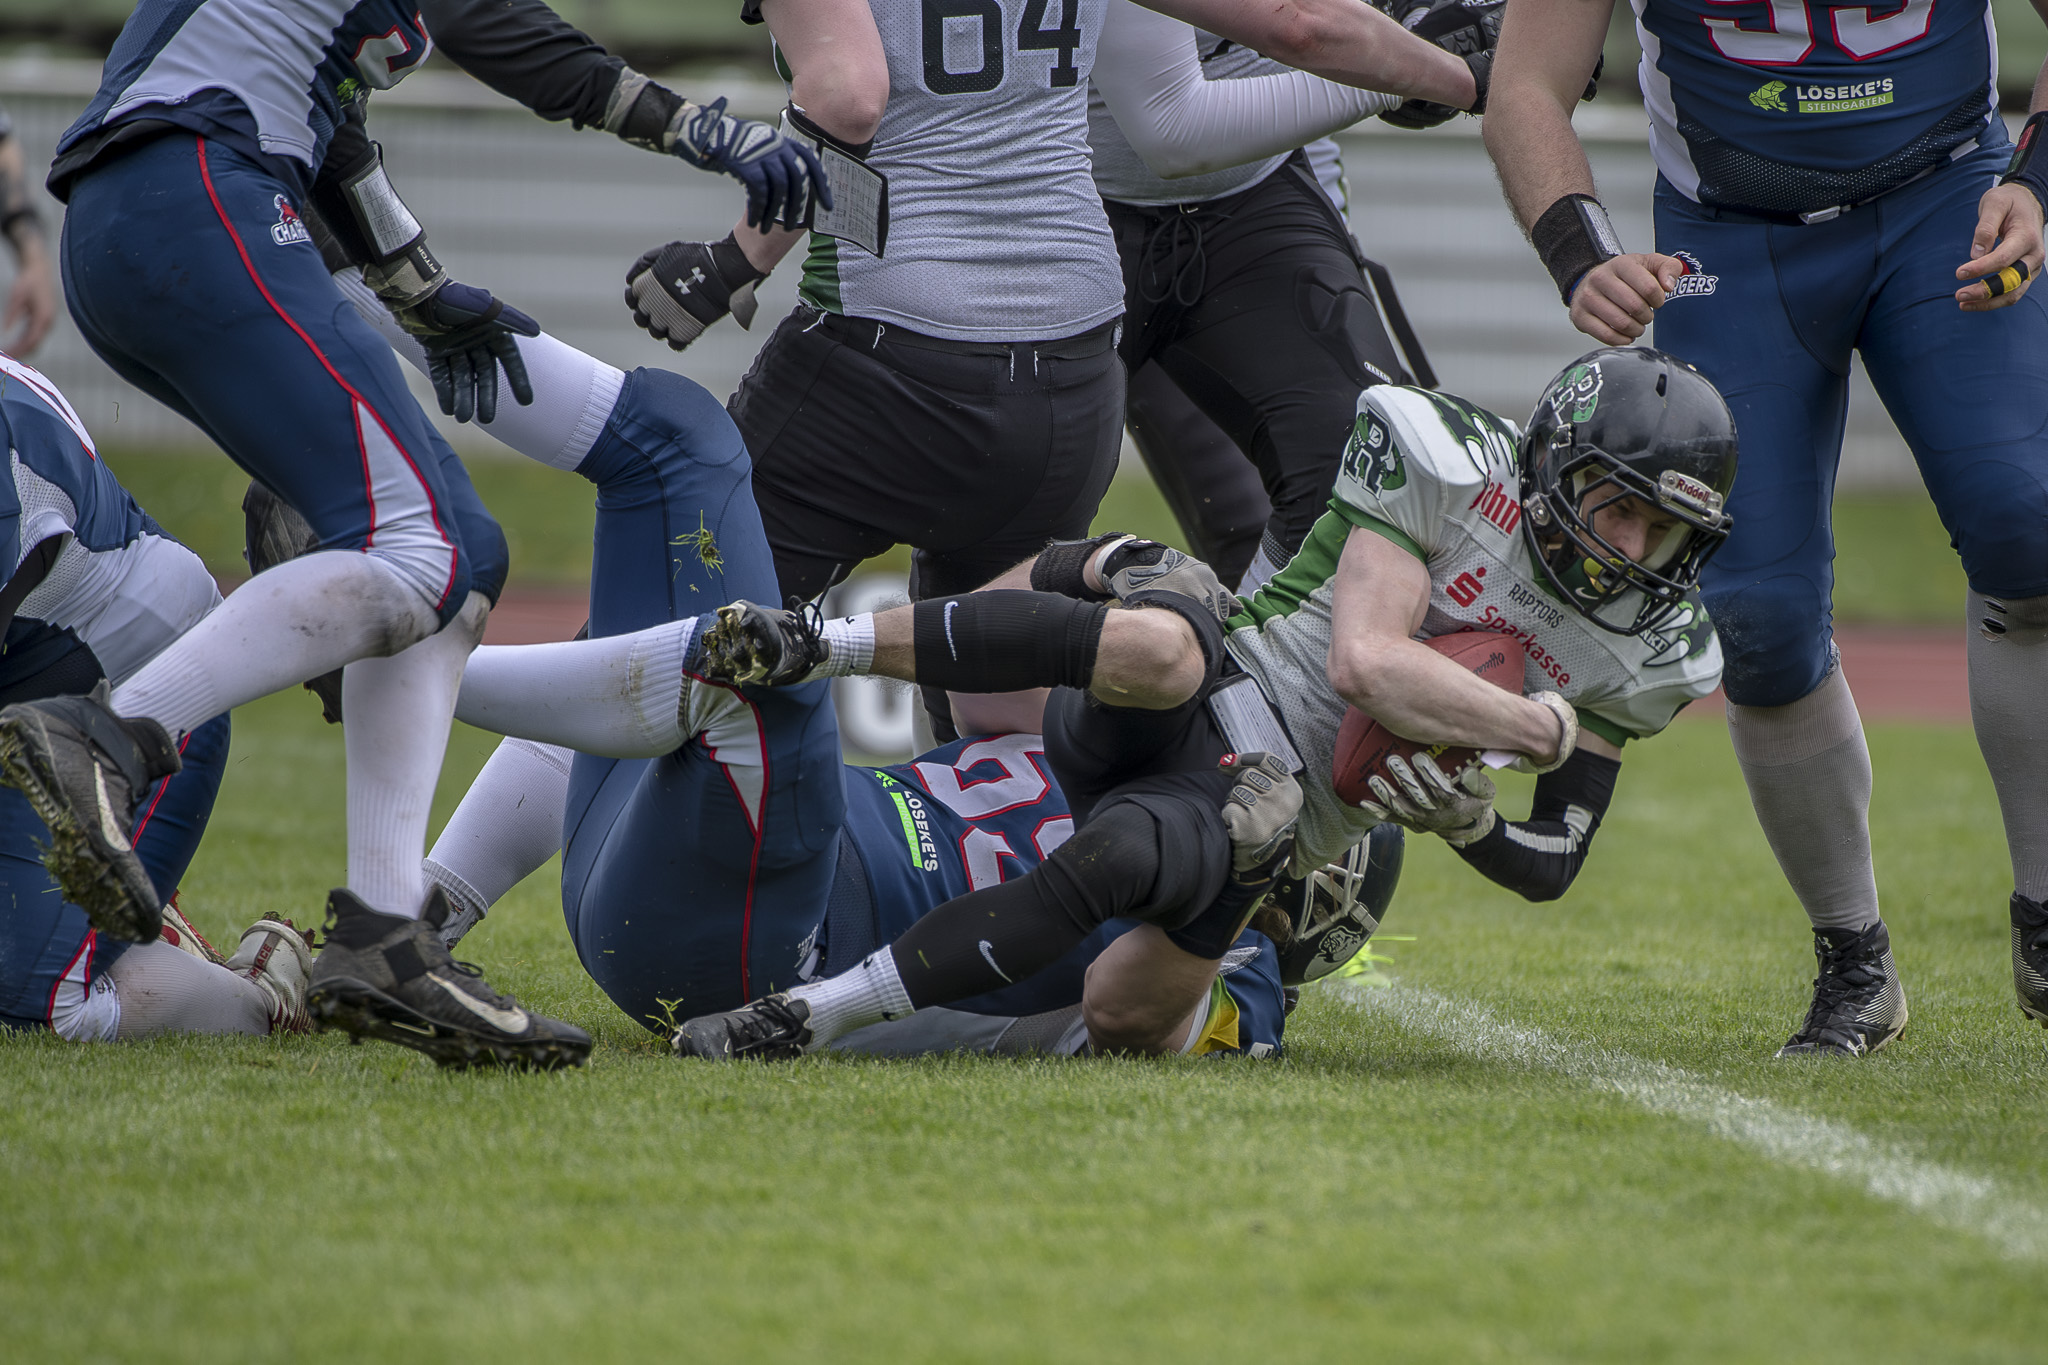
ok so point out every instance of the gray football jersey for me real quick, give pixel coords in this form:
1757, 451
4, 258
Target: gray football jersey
1438, 476
1121, 174
996, 232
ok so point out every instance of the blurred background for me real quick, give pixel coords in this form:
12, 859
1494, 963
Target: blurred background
550, 218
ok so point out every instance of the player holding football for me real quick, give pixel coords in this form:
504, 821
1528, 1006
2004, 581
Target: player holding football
190, 268
1582, 538
714, 843
93, 590
1832, 178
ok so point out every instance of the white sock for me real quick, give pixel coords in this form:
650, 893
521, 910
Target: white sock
1808, 771
849, 646
2008, 685
296, 621
398, 712
619, 697
167, 990
573, 394
509, 823
867, 993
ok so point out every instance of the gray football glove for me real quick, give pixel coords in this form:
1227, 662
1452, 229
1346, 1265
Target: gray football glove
1133, 566
1424, 799
1261, 812
678, 290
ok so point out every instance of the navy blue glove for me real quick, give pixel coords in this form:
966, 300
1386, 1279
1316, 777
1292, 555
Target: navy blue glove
467, 335
776, 170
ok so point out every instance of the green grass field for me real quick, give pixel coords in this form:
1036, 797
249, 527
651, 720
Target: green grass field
1390, 1190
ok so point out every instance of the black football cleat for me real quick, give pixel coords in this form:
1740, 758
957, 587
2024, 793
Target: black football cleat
386, 977
2030, 957
764, 646
84, 770
1858, 1003
775, 1028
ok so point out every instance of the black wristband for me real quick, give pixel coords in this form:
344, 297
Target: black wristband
732, 264
1574, 235
802, 123
24, 214
2029, 164
1538, 858
1059, 567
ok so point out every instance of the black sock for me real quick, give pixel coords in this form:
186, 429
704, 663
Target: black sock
1006, 641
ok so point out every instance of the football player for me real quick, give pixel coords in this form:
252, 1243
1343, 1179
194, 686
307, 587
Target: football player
714, 844
1831, 180
1581, 538
94, 590
32, 300
190, 267
953, 385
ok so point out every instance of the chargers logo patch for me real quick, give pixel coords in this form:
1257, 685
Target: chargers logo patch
1695, 282
289, 227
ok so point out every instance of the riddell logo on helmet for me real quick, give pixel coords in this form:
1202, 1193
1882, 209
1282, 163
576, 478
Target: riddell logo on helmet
1497, 507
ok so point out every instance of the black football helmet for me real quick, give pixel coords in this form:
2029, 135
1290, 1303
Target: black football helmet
1634, 423
1333, 911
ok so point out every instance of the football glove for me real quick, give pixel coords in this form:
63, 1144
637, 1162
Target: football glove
1464, 28
1567, 738
1423, 798
1134, 565
678, 290
467, 335
780, 174
1261, 812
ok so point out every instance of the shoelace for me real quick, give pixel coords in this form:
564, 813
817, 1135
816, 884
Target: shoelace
809, 623
488, 993
1843, 972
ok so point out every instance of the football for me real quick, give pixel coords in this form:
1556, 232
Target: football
1364, 745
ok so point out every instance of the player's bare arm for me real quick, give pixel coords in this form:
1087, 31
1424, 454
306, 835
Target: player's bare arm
32, 301
1339, 40
1548, 51
1376, 664
839, 77
2006, 250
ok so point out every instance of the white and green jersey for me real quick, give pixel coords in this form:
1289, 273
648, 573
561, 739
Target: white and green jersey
1438, 476
996, 232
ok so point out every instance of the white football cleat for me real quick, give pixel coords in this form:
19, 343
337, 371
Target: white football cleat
274, 955
179, 933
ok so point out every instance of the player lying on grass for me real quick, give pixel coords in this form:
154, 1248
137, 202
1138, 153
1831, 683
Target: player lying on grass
94, 590
1582, 539
714, 844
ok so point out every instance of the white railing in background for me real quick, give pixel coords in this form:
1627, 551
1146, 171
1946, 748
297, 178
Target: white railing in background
550, 218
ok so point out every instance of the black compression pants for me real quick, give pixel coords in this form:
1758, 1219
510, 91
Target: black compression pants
1257, 309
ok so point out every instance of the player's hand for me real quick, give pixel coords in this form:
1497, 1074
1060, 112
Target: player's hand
1463, 28
678, 290
776, 170
1615, 300
1133, 565
31, 305
467, 335
1424, 798
2008, 235
1261, 812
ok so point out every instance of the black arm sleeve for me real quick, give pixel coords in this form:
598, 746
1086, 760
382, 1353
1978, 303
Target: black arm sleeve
527, 52
1538, 857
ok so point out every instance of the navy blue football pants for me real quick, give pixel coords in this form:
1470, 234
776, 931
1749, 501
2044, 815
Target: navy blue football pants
189, 271
1969, 391
694, 882
49, 954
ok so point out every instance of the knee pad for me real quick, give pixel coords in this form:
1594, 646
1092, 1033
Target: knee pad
1775, 637
1172, 828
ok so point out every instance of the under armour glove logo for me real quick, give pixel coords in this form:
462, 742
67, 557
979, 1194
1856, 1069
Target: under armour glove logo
678, 290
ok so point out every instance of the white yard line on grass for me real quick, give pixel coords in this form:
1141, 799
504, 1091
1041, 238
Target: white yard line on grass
1970, 1203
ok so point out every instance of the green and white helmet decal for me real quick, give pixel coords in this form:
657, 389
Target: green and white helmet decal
1576, 395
